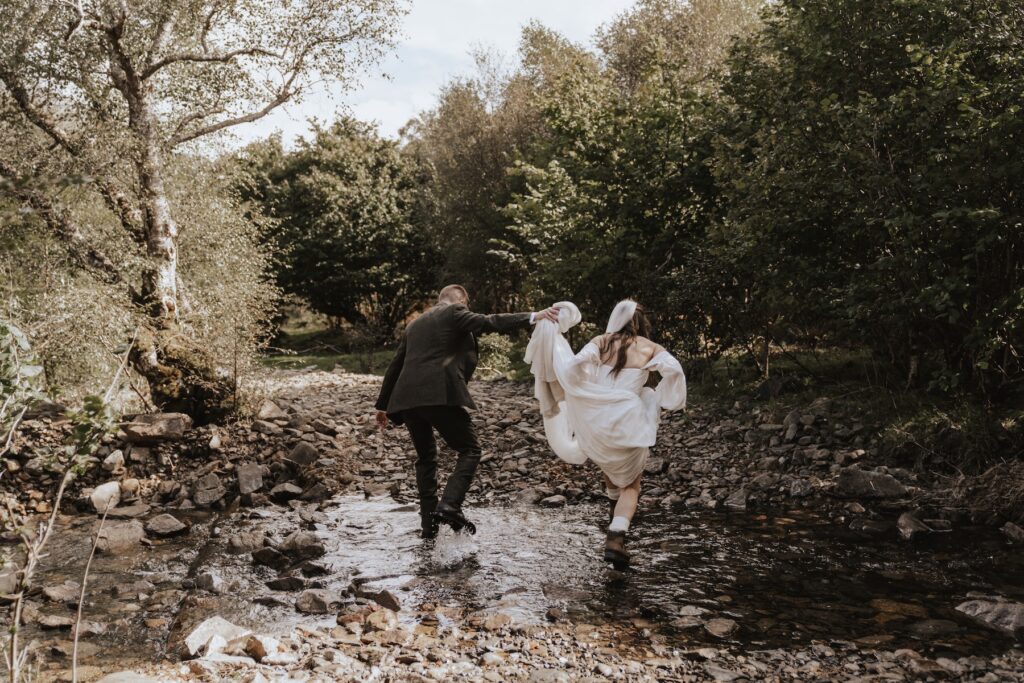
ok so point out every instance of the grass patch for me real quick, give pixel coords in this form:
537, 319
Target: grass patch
366, 363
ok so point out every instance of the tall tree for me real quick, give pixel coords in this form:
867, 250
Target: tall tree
352, 237
110, 89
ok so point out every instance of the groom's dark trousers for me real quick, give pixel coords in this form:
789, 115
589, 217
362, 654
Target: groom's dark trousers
425, 389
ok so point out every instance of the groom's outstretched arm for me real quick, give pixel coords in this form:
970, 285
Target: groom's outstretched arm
477, 323
391, 376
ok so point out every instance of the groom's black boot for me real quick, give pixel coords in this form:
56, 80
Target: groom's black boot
428, 520
453, 517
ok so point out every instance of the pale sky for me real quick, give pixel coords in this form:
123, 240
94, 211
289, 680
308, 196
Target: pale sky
437, 39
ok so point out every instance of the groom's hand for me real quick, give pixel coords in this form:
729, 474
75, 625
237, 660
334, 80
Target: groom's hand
382, 420
550, 314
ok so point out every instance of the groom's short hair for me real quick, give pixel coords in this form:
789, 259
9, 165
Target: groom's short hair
453, 294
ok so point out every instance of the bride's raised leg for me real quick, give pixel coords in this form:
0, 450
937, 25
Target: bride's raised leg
615, 545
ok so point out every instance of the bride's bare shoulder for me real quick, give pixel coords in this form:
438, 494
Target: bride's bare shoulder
645, 345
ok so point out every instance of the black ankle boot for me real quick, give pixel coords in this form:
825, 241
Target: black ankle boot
428, 521
453, 517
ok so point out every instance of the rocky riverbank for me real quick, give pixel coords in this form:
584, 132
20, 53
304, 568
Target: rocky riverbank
176, 488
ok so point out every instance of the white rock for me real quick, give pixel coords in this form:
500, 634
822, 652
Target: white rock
213, 627
106, 496
114, 461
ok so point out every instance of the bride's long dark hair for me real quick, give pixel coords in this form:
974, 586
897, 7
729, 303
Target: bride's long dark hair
639, 326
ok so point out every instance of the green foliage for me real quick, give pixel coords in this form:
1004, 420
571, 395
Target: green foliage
869, 173
20, 378
345, 207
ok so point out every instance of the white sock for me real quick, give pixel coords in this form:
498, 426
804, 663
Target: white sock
619, 524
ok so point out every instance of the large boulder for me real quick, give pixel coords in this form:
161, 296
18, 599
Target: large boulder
1000, 615
857, 483
157, 427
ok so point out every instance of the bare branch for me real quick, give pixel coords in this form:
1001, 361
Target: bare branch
200, 57
283, 95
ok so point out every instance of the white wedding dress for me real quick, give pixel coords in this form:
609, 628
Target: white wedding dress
591, 413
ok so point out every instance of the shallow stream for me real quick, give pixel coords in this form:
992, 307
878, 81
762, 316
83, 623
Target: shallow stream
785, 579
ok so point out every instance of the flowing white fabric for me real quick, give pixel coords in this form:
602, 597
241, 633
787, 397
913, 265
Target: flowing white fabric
621, 315
592, 413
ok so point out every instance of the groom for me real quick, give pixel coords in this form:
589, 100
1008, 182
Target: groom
425, 388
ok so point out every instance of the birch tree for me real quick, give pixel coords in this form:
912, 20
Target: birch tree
110, 90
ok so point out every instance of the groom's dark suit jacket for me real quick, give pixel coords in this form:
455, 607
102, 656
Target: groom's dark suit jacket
437, 357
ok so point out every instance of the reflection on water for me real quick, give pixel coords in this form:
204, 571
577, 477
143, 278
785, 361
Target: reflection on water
785, 580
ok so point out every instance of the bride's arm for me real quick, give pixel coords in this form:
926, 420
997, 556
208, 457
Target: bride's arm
671, 390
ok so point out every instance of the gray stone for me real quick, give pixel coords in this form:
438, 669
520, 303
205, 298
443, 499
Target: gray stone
282, 493
737, 500
384, 598
721, 628
245, 542
250, 478
157, 427
129, 511
909, 526
207, 490
1013, 532
210, 581
1004, 616
271, 411
553, 501
270, 557
166, 525
313, 601
302, 545
304, 454
287, 583
114, 461
857, 483
120, 536
264, 427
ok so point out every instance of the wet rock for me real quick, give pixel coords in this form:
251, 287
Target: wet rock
207, 490
737, 500
909, 526
316, 492
314, 601
801, 488
120, 536
106, 496
250, 478
157, 427
553, 501
1001, 615
129, 511
304, 454
721, 628
854, 482
270, 557
214, 627
932, 628
282, 493
66, 593
383, 598
246, 542
1013, 532
287, 583
302, 545
211, 581
165, 525
381, 620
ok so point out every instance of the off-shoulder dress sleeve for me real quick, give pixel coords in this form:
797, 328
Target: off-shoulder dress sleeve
671, 390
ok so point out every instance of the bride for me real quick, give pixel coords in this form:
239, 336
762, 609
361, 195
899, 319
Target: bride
597, 404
